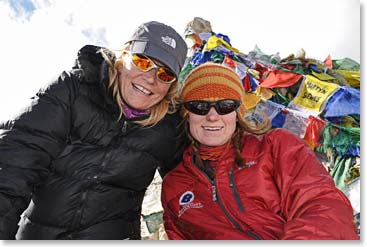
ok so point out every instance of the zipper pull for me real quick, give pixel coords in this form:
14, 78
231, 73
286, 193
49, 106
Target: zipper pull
124, 127
214, 191
230, 180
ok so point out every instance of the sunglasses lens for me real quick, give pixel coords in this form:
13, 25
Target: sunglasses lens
202, 107
166, 75
142, 62
197, 107
226, 106
145, 64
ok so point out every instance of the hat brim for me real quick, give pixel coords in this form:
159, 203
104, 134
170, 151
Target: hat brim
157, 53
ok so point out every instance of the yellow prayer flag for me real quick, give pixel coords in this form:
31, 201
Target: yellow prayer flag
250, 100
352, 77
264, 93
215, 41
314, 93
324, 77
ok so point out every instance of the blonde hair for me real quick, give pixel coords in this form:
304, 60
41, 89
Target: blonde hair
166, 106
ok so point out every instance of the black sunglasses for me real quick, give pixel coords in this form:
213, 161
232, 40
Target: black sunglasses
201, 107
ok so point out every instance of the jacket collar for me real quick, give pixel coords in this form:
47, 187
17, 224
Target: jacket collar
225, 161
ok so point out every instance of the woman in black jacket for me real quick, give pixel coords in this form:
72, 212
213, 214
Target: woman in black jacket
82, 155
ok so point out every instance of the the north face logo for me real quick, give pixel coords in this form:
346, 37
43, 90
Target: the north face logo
169, 41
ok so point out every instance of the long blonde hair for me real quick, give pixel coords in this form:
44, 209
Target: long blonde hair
167, 105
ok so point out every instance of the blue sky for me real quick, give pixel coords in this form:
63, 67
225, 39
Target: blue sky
22, 8
42, 37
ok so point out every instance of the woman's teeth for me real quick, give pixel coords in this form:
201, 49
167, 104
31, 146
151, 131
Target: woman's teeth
212, 128
142, 89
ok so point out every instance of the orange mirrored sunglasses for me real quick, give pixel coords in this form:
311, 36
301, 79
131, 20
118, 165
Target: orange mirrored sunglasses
146, 64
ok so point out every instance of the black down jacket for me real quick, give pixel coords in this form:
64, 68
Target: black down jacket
73, 169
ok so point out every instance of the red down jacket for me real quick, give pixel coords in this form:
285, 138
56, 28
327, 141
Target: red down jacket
286, 193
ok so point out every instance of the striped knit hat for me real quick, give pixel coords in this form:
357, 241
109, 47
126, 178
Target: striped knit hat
212, 82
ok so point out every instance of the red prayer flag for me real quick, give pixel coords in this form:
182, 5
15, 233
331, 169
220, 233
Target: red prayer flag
280, 78
328, 62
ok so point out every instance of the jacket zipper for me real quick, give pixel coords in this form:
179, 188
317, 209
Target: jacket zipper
214, 191
235, 193
78, 215
216, 198
124, 127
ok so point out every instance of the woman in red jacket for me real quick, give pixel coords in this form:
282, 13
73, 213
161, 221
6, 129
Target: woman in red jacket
238, 182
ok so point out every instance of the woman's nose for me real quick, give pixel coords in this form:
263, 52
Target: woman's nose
150, 75
212, 114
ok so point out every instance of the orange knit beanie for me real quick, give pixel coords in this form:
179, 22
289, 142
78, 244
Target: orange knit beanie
212, 82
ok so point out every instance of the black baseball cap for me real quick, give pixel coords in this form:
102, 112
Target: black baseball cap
161, 42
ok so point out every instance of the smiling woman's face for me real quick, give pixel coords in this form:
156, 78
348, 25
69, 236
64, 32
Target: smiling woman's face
212, 129
140, 90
